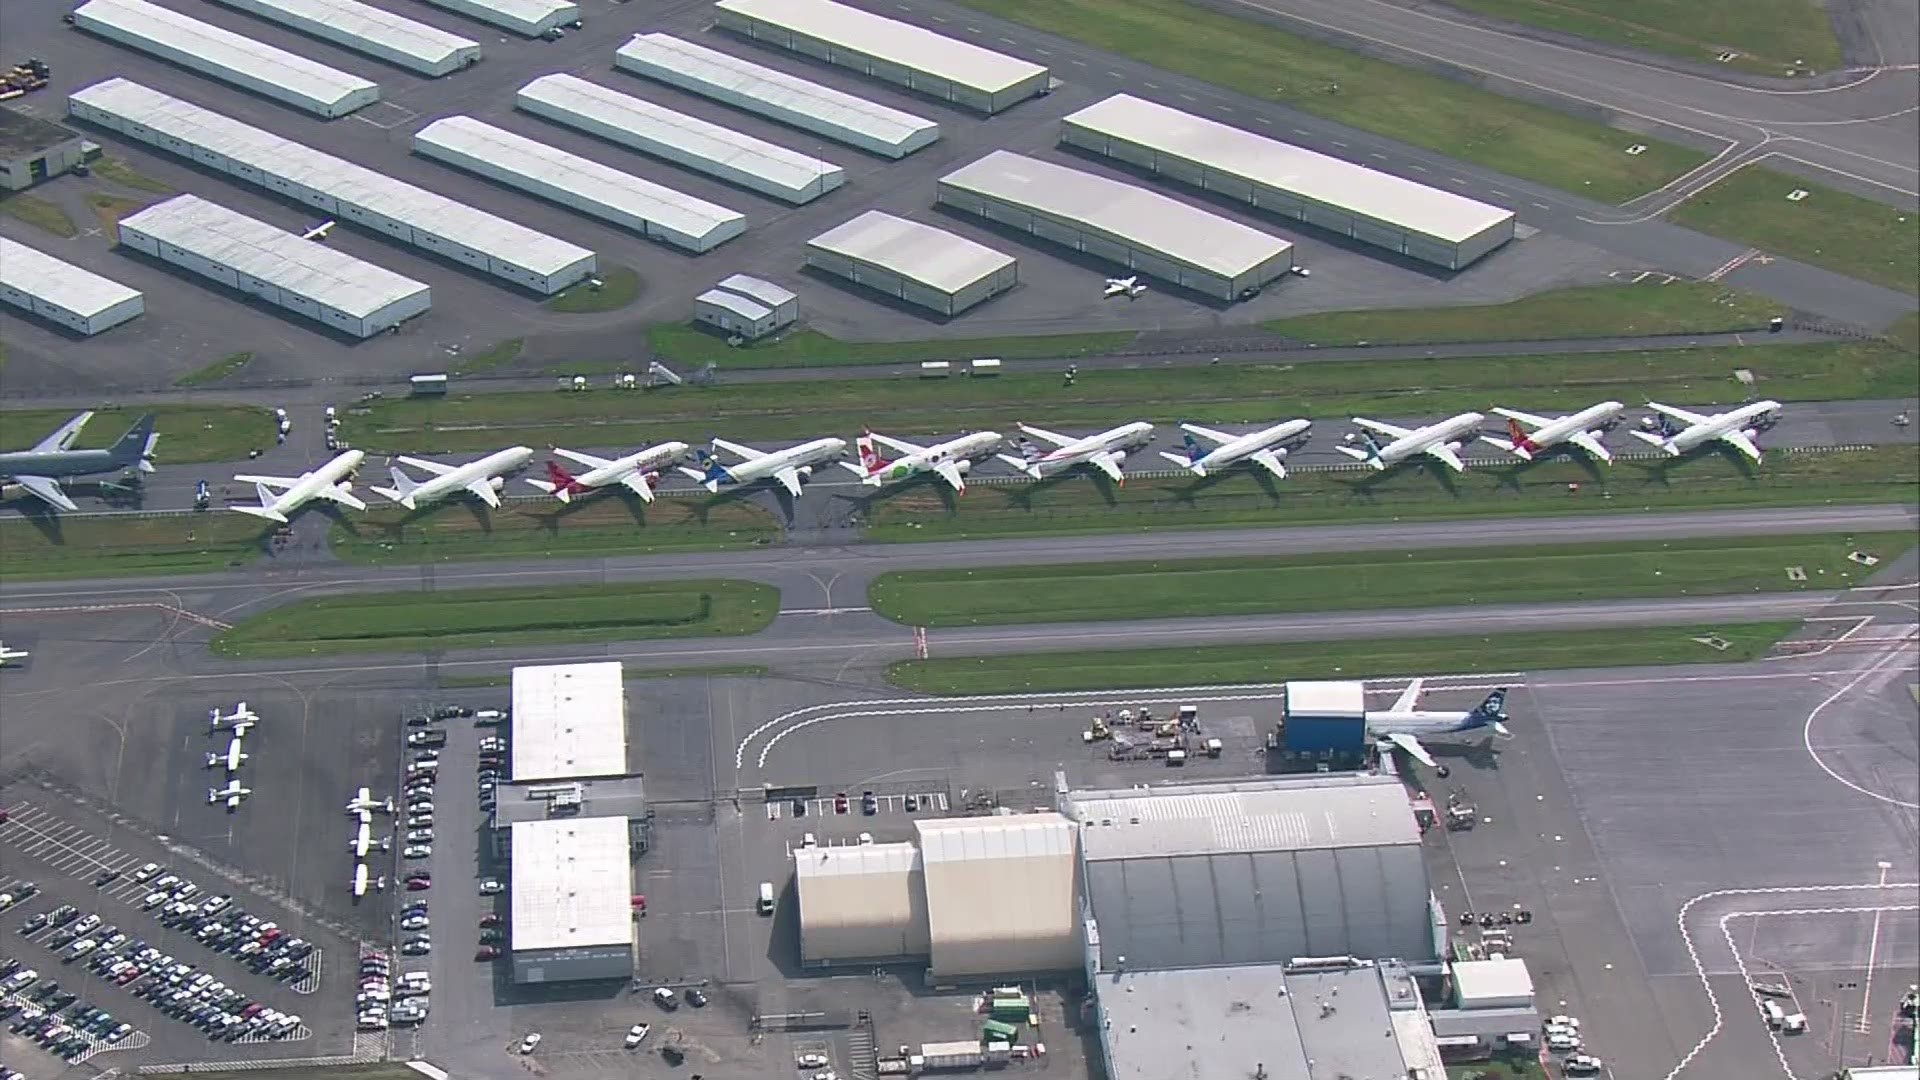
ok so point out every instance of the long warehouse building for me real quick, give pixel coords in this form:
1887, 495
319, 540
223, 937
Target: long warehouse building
1139, 229
232, 58
349, 192
1377, 208
917, 263
580, 184
883, 48
530, 18
572, 886
748, 86
687, 141
332, 288
363, 28
62, 293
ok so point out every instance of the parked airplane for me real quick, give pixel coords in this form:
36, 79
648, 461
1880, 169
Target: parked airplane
232, 795
238, 721
1583, 429
361, 878
329, 481
481, 477
1736, 428
1262, 447
949, 460
1104, 451
7, 654
40, 469
1403, 724
362, 840
787, 466
637, 471
1440, 441
231, 760
1129, 287
363, 802
320, 231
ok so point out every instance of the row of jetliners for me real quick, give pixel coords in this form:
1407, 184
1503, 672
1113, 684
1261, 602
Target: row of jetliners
1207, 452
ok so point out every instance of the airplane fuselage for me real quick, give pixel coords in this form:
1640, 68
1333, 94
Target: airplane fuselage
484, 470
1560, 430
806, 455
963, 449
57, 463
1249, 444
643, 461
312, 483
1421, 723
1115, 440
1722, 424
1450, 430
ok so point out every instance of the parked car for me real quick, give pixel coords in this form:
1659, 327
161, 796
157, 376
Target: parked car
636, 1035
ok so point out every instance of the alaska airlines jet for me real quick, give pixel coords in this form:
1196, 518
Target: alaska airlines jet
1736, 428
1440, 441
1402, 725
787, 466
1260, 447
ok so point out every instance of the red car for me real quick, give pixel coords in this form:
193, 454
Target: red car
840, 803
486, 952
419, 884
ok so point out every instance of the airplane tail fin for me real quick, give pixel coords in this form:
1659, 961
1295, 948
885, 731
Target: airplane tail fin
1184, 462
870, 460
1194, 450
265, 509
1494, 709
135, 447
1657, 441
402, 489
559, 483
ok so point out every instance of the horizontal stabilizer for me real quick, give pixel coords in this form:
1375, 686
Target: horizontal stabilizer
280, 483
1651, 439
552, 489
1184, 462
1361, 455
266, 512
1024, 466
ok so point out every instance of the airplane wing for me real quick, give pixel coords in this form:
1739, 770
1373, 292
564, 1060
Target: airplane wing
1681, 415
1268, 461
1215, 437
1525, 418
1409, 697
950, 472
789, 479
63, 436
339, 493
1413, 748
746, 452
1585, 440
1379, 428
278, 483
636, 481
47, 490
484, 489
579, 458
1445, 453
898, 446
1740, 441
1043, 433
423, 464
1110, 465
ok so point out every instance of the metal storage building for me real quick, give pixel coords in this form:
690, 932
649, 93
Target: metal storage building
366, 29
687, 141
1139, 229
32, 149
1257, 871
349, 192
860, 902
789, 99
531, 18
60, 292
1003, 894
569, 722
572, 887
580, 184
913, 262
243, 253
1403, 216
901, 53
222, 54
746, 306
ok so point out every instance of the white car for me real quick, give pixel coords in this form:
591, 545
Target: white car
414, 922
636, 1035
421, 807
417, 851
1582, 1065
491, 886
810, 1061
1563, 1043
531, 1043
420, 836
420, 821
1559, 1020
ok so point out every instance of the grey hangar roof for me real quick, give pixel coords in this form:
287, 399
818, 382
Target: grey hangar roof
922, 253
367, 29
57, 282
892, 41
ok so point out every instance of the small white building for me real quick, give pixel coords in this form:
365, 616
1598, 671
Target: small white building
746, 306
363, 28
32, 150
530, 18
1492, 984
62, 293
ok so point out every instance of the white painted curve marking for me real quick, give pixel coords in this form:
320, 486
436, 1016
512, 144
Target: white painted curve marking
1806, 731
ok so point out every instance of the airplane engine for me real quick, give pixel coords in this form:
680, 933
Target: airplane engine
1119, 456
498, 483
963, 466
805, 471
1454, 446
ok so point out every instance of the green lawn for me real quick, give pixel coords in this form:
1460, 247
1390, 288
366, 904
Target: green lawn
188, 434
408, 621
1078, 504
1843, 233
119, 172
1771, 36
1453, 118
1906, 332
603, 524
687, 344
225, 367
1224, 394
1046, 672
40, 214
619, 286
1093, 592
1682, 307
79, 547
109, 209
498, 355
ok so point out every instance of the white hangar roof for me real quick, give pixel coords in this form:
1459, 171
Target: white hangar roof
572, 883
569, 722
922, 253
58, 282
904, 44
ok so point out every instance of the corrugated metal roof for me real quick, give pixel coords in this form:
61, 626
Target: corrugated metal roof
524, 12
254, 59
499, 239
757, 289
891, 40
710, 67
57, 282
1153, 823
856, 860
580, 177
745, 307
1136, 215
572, 884
315, 271
569, 721
922, 253
1005, 836
1370, 192
429, 45
1003, 893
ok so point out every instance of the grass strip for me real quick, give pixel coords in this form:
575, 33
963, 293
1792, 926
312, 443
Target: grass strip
619, 286
1595, 311
111, 208
495, 356
606, 524
1827, 227
492, 618
223, 368
688, 344
1369, 658
39, 213
1454, 118
71, 546
1342, 581
119, 172
1770, 37
188, 433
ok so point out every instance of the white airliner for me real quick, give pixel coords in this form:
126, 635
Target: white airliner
1262, 447
1736, 428
329, 481
7, 655
231, 760
1403, 724
239, 721
320, 231
1129, 287
364, 803
787, 466
1583, 429
637, 471
232, 794
480, 477
1440, 441
362, 840
1105, 451
950, 460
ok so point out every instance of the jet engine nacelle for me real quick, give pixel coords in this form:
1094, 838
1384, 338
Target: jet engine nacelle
1455, 446
963, 466
805, 471
1119, 456
498, 483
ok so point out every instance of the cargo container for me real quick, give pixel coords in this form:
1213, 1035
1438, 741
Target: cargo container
947, 1055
